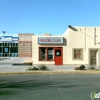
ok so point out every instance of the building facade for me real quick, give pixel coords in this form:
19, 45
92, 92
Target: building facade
8, 46
25, 45
83, 45
49, 50
78, 45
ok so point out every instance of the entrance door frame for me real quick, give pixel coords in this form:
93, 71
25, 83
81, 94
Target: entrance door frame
61, 57
94, 57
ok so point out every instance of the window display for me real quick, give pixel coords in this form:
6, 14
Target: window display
46, 53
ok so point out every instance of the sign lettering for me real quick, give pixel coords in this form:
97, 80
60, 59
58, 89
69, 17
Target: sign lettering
50, 40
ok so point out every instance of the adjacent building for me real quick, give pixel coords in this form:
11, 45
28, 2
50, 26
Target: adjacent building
83, 45
8, 46
25, 45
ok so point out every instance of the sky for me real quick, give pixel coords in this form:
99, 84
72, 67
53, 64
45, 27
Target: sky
47, 16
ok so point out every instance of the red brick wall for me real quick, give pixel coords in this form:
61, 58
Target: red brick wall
25, 49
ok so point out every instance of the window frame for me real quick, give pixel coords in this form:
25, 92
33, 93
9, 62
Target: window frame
46, 53
53, 53
74, 54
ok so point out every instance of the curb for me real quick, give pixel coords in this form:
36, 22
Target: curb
50, 72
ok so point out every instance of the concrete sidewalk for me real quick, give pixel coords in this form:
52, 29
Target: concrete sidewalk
9, 68
6, 66
12, 60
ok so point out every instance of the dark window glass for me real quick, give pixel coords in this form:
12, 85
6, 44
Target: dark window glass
5, 44
78, 54
58, 53
16, 44
93, 55
46, 53
42, 54
1, 50
1, 44
14, 50
50, 54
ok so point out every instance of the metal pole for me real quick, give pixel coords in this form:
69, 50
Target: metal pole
9, 50
85, 38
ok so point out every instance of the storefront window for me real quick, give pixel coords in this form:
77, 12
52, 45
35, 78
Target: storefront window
42, 54
46, 53
50, 54
0, 49
1, 44
8, 49
16, 44
77, 53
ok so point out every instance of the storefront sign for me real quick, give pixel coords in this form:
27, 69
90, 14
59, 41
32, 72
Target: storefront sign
50, 40
15, 38
8, 39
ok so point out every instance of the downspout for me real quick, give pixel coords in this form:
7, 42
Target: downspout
95, 35
85, 38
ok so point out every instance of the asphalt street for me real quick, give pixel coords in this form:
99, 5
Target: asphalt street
49, 87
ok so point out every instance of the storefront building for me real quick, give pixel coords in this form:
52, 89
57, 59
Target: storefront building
78, 45
20, 46
49, 50
8, 46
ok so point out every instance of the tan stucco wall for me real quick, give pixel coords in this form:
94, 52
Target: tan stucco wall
25, 37
25, 45
83, 38
35, 51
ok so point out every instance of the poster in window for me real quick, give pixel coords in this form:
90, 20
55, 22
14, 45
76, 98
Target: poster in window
6, 50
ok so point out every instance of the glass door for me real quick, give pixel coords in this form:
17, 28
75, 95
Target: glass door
93, 57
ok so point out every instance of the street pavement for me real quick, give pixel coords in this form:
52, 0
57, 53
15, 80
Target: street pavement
49, 87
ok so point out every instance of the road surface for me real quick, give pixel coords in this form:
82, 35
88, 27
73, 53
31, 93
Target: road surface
49, 87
